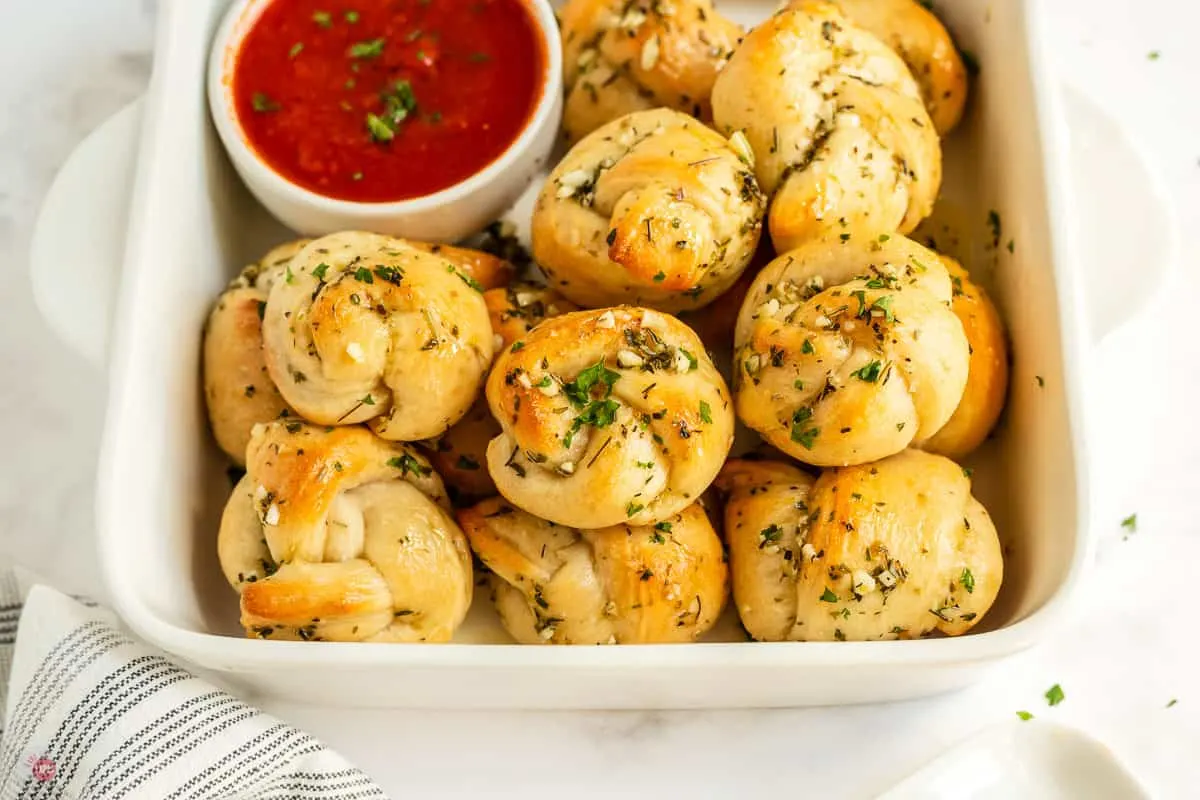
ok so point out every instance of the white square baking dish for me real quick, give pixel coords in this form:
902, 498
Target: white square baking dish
163, 483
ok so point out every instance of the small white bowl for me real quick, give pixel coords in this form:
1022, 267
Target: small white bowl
445, 216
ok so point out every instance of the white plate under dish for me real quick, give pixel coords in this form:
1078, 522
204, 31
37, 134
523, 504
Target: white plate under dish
1030, 760
163, 484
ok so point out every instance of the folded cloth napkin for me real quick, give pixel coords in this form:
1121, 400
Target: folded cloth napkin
91, 714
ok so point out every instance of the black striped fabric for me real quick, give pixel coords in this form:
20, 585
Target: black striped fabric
91, 714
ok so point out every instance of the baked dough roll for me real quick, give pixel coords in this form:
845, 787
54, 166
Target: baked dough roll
369, 328
652, 209
621, 56
987, 373
618, 585
841, 140
892, 550
920, 39
608, 417
335, 534
238, 391
848, 352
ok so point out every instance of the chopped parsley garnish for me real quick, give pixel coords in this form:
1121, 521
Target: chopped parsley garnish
262, 103
1025, 716
828, 596
705, 412
884, 304
769, 534
368, 400
380, 130
579, 391
632, 509
869, 372
660, 276
692, 362
363, 274
1130, 523
351, 17
807, 348
657, 538
598, 412
400, 100
665, 527
288, 276
369, 49
295, 49
516, 346
399, 103
323, 18
804, 437
319, 272
1173, 702
1054, 695
391, 275
407, 464
468, 280
1154, 55
967, 579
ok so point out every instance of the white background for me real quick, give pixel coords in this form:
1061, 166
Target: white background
1130, 648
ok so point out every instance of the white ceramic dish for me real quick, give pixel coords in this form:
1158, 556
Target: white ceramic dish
446, 216
162, 482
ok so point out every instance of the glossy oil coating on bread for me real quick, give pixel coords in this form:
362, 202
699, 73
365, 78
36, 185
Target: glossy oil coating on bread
841, 139
920, 39
847, 352
609, 417
369, 328
987, 374
652, 209
621, 56
338, 535
892, 550
238, 391
619, 585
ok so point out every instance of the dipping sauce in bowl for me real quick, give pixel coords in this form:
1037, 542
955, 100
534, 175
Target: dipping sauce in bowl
379, 101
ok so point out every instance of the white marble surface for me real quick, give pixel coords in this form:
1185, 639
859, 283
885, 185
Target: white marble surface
1130, 648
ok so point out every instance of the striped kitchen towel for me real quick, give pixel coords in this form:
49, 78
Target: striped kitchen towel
91, 714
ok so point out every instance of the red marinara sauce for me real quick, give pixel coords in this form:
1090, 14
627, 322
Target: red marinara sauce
384, 100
